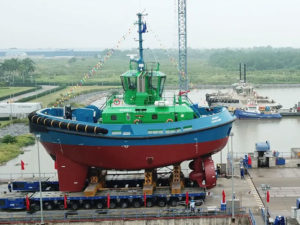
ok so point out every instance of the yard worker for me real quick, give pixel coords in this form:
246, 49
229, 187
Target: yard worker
218, 170
9, 186
242, 172
192, 206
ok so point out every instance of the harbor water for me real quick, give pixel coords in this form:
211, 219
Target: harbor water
283, 134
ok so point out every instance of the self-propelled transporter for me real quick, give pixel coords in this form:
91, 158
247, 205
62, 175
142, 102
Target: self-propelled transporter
139, 129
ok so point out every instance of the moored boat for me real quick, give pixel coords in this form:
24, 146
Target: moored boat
253, 112
242, 94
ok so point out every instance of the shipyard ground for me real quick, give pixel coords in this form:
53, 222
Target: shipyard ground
284, 184
213, 199
284, 188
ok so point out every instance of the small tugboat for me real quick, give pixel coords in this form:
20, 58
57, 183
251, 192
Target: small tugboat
241, 95
254, 112
136, 130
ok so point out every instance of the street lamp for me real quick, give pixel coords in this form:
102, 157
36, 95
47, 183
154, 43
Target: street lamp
40, 182
232, 176
265, 188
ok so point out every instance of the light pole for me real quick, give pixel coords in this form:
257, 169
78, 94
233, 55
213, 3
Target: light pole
10, 106
265, 188
232, 182
40, 183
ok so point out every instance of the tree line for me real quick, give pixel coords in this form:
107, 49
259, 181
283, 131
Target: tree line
12, 70
257, 58
262, 58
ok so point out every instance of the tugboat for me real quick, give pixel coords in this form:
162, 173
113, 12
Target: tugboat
242, 94
136, 130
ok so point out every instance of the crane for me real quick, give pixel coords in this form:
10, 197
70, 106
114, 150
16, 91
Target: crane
182, 46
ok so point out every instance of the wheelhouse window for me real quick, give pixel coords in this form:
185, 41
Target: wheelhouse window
123, 85
162, 84
113, 117
132, 83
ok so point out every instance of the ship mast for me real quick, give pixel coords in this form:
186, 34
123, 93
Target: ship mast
182, 46
142, 29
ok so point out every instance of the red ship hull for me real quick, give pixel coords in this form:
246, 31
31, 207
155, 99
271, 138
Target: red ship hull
73, 161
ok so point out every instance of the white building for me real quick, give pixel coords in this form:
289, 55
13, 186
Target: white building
18, 110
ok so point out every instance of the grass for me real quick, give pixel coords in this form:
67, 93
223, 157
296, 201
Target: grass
6, 91
60, 71
50, 99
10, 151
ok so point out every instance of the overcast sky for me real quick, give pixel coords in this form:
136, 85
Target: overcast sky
101, 23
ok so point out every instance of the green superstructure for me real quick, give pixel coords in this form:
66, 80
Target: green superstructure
142, 101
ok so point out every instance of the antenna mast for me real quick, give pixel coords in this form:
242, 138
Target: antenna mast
182, 46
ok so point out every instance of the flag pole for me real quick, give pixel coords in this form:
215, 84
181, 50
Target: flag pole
40, 182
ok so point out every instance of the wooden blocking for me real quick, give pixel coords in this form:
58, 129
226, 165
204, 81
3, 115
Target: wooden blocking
177, 183
90, 190
149, 182
148, 189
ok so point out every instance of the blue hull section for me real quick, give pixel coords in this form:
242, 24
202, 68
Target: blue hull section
213, 126
187, 137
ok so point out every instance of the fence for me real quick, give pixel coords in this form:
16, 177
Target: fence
6, 177
120, 214
241, 155
252, 219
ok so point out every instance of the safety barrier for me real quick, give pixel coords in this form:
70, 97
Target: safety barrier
6, 177
98, 215
252, 219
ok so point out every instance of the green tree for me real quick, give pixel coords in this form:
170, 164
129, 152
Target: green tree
10, 67
25, 67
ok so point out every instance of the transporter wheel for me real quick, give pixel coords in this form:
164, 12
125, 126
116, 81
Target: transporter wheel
149, 203
173, 202
136, 204
124, 205
36, 207
113, 205
74, 205
86, 205
99, 205
161, 203
48, 206
61, 206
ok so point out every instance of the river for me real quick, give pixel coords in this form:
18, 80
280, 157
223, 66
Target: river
283, 134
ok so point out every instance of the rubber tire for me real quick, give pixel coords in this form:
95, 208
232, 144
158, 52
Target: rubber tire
137, 204
74, 206
149, 203
61, 206
161, 203
113, 205
49, 206
99, 205
124, 205
173, 203
36, 208
87, 205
